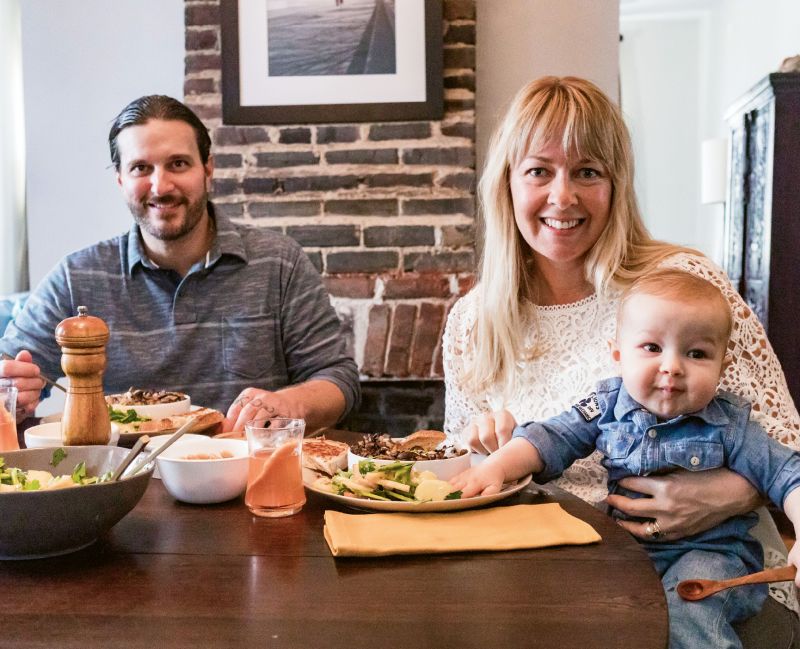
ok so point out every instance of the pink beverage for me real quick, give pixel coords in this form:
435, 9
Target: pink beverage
8, 436
8, 425
275, 481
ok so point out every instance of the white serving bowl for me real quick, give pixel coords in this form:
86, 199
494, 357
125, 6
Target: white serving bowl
158, 410
49, 435
444, 469
203, 482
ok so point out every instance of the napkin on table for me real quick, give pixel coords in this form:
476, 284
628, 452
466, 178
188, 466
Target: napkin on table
498, 528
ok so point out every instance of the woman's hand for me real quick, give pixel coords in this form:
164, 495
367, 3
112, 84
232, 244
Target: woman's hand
794, 560
791, 507
489, 431
684, 503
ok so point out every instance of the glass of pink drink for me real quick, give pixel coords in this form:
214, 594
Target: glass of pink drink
8, 418
275, 472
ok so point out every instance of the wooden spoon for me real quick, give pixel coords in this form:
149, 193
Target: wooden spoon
694, 589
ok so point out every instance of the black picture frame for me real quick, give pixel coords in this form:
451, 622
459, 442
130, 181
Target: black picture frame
234, 112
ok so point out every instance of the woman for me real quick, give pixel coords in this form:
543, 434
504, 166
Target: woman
563, 235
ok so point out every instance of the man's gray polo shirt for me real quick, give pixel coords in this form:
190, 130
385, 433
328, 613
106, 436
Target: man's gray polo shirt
254, 312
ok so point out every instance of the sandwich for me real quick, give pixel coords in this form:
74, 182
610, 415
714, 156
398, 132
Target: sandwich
324, 455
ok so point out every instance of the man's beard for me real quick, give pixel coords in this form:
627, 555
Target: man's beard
162, 231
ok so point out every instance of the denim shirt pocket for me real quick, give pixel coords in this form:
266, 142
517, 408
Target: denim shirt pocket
251, 346
695, 455
615, 445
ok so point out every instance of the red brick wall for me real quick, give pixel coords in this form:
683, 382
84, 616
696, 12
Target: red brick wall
384, 210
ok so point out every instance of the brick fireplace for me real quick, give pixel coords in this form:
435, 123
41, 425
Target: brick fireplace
385, 211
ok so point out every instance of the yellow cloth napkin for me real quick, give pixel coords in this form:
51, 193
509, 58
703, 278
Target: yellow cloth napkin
499, 528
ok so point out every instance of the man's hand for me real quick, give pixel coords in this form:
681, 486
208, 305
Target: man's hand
24, 374
489, 431
684, 503
253, 403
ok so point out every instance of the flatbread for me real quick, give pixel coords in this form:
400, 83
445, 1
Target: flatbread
325, 455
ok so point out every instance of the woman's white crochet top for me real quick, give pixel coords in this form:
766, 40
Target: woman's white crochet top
575, 356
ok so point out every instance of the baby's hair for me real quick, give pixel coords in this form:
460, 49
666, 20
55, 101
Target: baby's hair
679, 285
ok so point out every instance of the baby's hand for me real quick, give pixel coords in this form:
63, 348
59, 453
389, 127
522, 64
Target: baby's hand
794, 560
485, 479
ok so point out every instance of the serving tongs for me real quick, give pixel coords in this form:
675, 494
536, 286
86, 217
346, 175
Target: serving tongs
152, 456
130, 457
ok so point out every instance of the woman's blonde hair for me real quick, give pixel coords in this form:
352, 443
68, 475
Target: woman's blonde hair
588, 125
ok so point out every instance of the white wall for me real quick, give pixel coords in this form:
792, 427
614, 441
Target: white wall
660, 82
13, 263
83, 61
747, 41
683, 63
520, 40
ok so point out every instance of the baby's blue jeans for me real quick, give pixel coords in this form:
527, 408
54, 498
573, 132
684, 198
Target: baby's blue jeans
706, 623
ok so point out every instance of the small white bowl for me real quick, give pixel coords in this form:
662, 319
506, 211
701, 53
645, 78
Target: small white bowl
158, 440
444, 469
49, 435
202, 482
158, 410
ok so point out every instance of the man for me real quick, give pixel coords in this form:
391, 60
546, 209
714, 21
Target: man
231, 315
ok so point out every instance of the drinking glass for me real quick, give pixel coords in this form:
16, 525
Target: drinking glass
275, 471
8, 418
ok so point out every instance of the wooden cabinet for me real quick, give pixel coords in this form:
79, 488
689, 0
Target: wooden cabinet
762, 220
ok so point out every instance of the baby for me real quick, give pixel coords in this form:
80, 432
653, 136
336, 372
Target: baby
665, 414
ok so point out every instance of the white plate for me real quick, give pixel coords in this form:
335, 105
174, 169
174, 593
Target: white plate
128, 437
133, 436
427, 507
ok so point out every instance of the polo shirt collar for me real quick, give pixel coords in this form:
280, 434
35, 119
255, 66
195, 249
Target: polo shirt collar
227, 241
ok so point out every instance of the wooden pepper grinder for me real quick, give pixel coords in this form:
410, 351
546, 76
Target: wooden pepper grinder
83, 345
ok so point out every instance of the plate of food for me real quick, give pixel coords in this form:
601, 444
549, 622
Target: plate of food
430, 450
144, 411
141, 411
395, 486
132, 427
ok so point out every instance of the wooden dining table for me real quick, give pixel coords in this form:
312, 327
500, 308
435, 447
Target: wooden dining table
174, 575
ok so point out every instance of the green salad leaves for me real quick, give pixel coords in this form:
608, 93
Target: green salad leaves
125, 416
16, 479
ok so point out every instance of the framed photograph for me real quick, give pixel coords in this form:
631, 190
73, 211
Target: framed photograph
312, 61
